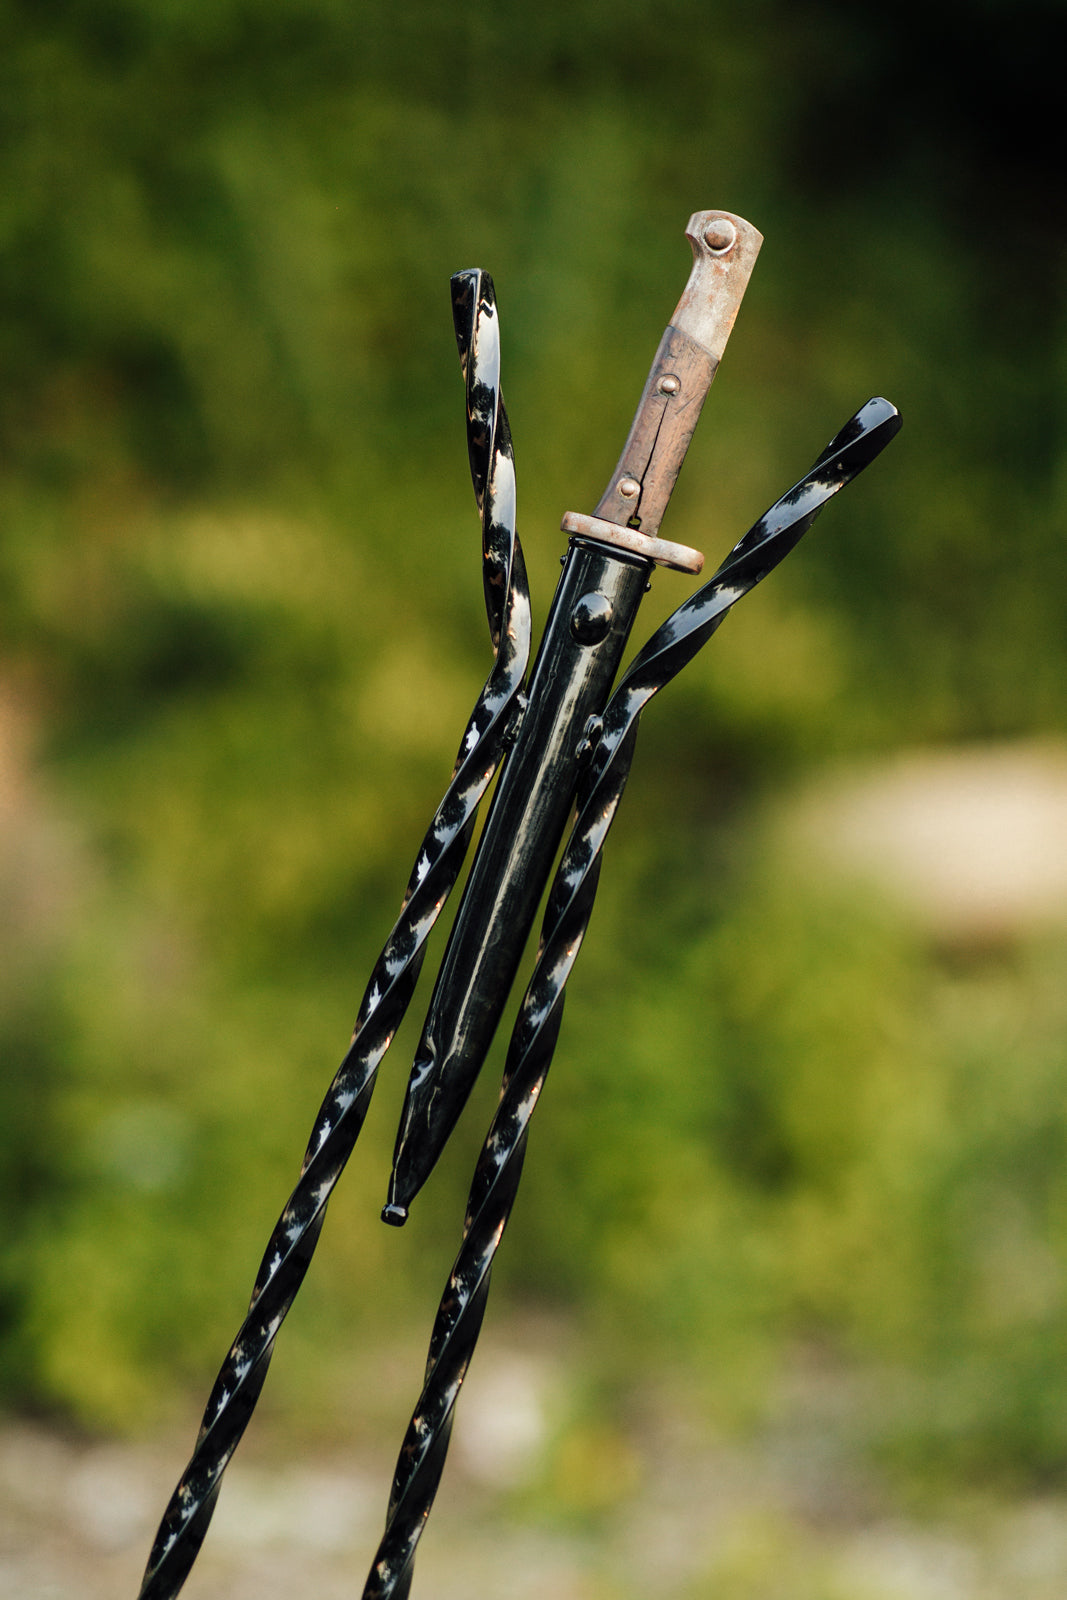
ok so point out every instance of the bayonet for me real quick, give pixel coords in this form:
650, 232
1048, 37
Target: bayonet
605, 575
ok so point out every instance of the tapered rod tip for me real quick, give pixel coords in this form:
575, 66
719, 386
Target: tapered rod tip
396, 1216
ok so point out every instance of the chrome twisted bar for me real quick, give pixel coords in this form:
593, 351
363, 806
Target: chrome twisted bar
608, 752
342, 1114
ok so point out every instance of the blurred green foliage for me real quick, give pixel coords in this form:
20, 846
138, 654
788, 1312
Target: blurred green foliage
239, 606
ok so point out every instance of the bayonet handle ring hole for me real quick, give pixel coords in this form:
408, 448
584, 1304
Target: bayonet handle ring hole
720, 236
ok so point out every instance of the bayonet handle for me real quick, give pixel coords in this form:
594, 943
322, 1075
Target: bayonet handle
725, 248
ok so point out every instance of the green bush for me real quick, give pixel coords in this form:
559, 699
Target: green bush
241, 628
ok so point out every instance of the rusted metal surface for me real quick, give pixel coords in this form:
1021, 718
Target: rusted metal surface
682, 372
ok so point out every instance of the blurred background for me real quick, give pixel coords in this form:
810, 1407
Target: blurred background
785, 1287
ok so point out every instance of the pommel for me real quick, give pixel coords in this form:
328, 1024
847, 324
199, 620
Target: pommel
725, 248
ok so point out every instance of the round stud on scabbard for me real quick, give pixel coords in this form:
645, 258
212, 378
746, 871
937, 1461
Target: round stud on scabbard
591, 618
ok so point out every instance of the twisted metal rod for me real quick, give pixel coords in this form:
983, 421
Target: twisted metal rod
342, 1113
570, 905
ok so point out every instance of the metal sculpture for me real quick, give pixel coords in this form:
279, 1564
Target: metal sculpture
567, 740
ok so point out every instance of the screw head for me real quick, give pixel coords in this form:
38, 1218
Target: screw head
670, 384
720, 236
628, 488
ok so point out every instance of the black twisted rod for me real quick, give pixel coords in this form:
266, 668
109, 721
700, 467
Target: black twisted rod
610, 749
342, 1114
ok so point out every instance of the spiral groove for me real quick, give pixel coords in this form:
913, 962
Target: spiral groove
569, 908
392, 983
